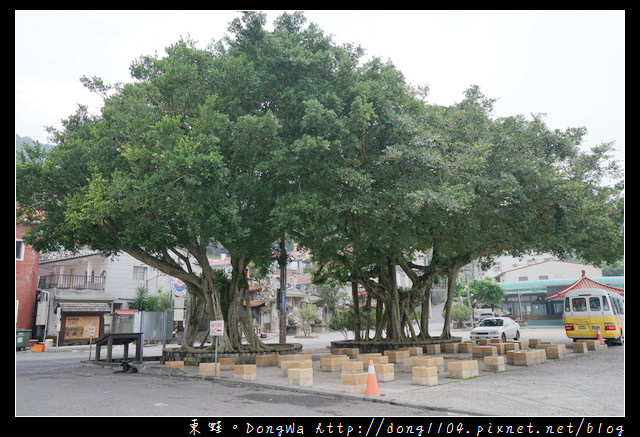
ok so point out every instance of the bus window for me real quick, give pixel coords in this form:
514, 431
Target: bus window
605, 303
579, 304
594, 303
618, 308
567, 308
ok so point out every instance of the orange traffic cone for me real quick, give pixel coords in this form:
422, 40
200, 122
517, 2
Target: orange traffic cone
372, 381
600, 338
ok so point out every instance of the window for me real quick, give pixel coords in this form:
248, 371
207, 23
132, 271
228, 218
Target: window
594, 303
19, 250
567, 308
579, 304
139, 273
618, 307
605, 303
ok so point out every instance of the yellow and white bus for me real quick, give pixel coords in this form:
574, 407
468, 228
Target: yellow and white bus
587, 310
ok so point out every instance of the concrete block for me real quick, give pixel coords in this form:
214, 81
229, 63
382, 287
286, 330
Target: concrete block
351, 352
377, 358
287, 365
385, 372
332, 363
579, 347
351, 366
174, 364
495, 363
480, 351
269, 360
408, 364
424, 375
293, 357
466, 347
594, 345
523, 344
555, 351
500, 347
451, 348
433, 349
423, 361
300, 376
209, 369
529, 357
462, 368
227, 363
396, 356
354, 382
245, 371
413, 350
511, 346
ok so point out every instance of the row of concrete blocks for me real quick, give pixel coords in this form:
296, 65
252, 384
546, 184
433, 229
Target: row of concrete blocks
430, 349
298, 368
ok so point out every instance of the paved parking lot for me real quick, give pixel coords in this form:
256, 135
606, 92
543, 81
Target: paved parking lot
590, 384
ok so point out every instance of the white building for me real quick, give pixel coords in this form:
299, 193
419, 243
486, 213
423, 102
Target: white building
78, 295
548, 269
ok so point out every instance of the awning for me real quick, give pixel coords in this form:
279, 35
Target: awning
122, 312
85, 307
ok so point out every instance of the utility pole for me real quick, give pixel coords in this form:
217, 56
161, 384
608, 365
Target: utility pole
283, 291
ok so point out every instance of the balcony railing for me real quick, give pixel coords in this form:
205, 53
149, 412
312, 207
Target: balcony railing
76, 282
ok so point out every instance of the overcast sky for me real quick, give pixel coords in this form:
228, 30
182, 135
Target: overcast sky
569, 65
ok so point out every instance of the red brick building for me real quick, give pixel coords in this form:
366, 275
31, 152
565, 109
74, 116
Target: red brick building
27, 266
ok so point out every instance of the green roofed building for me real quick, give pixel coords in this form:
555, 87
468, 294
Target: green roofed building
526, 301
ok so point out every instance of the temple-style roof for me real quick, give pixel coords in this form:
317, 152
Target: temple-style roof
585, 282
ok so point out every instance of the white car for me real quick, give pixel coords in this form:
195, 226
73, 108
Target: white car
496, 327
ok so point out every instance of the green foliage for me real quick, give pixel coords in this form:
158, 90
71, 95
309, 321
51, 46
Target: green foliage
486, 291
144, 302
331, 295
308, 314
343, 321
460, 313
273, 132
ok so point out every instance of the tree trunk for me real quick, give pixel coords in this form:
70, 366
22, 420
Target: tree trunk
356, 310
424, 316
195, 316
394, 327
451, 287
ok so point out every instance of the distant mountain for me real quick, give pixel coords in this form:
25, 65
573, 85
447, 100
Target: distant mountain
21, 140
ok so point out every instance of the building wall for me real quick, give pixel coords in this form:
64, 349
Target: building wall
122, 274
26, 282
549, 270
125, 274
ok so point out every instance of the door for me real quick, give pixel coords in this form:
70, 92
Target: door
596, 315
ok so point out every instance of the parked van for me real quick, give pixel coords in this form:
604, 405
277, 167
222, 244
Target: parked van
483, 313
588, 310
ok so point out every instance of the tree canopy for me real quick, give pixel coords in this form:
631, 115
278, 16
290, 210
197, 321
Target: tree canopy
267, 133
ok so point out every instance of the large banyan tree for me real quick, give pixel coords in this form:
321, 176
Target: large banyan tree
203, 147
274, 132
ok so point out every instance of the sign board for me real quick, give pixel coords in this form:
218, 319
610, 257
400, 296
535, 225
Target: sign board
216, 328
92, 331
178, 287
